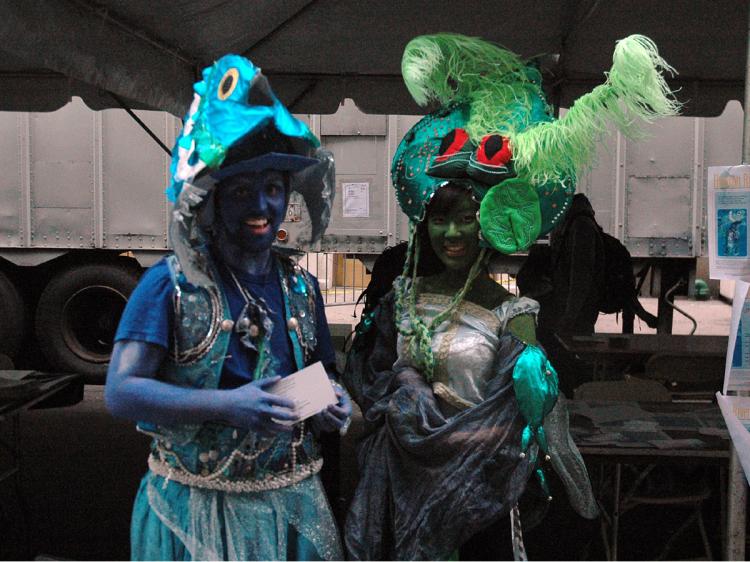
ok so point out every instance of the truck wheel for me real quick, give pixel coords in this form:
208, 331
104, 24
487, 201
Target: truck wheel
12, 317
77, 317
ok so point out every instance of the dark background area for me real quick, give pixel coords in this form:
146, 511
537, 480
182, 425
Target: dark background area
81, 469
80, 472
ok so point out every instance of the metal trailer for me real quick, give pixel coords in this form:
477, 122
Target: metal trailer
83, 210
651, 194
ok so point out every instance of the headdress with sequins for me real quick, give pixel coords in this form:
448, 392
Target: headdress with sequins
495, 132
237, 124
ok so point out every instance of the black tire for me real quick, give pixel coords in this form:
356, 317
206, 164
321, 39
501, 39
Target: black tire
12, 317
77, 317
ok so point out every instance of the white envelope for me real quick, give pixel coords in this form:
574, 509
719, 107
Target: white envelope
309, 388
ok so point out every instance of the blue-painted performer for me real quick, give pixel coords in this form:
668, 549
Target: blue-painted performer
461, 409
211, 327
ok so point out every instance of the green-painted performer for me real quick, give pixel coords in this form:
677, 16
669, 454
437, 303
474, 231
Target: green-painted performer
461, 408
233, 471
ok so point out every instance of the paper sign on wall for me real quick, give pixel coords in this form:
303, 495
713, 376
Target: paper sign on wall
728, 210
356, 200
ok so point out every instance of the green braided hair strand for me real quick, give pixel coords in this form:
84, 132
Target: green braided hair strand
504, 93
635, 92
420, 345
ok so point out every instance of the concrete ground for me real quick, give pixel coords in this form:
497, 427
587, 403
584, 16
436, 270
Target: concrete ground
712, 317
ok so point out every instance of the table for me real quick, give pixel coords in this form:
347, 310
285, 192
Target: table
647, 344
35, 390
650, 433
603, 349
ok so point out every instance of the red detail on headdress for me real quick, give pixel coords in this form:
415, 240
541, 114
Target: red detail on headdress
494, 150
452, 143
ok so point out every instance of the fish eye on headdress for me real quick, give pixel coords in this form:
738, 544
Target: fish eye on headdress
452, 143
494, 150
228, 83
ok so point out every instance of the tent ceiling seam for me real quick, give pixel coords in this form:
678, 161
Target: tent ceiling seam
278, 28
105, 15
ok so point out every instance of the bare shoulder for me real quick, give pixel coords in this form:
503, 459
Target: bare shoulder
488, 293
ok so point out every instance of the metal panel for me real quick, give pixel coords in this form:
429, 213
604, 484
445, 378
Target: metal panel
659, 207
398, 125
659, 191
11, 180
350, 121
362, 159
600, 183
723, 147
667, 149
62, 155
723, 137
358, 160
135, 172
56, 227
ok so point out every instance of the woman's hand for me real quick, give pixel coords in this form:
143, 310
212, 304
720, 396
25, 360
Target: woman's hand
251, 407
132, 392
335, 416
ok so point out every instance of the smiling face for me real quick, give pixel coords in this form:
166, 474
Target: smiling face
454, 230
250, 208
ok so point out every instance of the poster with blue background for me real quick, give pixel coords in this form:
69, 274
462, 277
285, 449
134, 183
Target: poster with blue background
732, 233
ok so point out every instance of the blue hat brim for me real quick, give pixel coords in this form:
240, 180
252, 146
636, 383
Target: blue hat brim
269, 161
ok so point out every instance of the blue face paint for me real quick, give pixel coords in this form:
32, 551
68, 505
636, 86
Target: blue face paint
250, 208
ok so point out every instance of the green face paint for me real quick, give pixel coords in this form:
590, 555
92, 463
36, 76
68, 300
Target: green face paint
454, 234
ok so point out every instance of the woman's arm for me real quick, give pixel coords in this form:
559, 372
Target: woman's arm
133, 392
523, 327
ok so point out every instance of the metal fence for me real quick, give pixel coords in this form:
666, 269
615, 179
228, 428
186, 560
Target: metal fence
506, 280
343, 277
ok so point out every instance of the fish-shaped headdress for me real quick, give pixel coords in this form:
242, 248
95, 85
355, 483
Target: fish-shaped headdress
236, 124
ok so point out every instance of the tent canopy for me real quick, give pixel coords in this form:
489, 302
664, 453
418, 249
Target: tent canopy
318, 52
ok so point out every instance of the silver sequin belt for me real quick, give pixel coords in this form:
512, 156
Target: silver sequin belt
270, 482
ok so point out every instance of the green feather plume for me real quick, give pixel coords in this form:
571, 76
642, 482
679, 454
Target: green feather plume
635, 92
503, 92
505, 97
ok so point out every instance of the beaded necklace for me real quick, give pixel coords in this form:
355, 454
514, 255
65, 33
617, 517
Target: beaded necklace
243, 323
